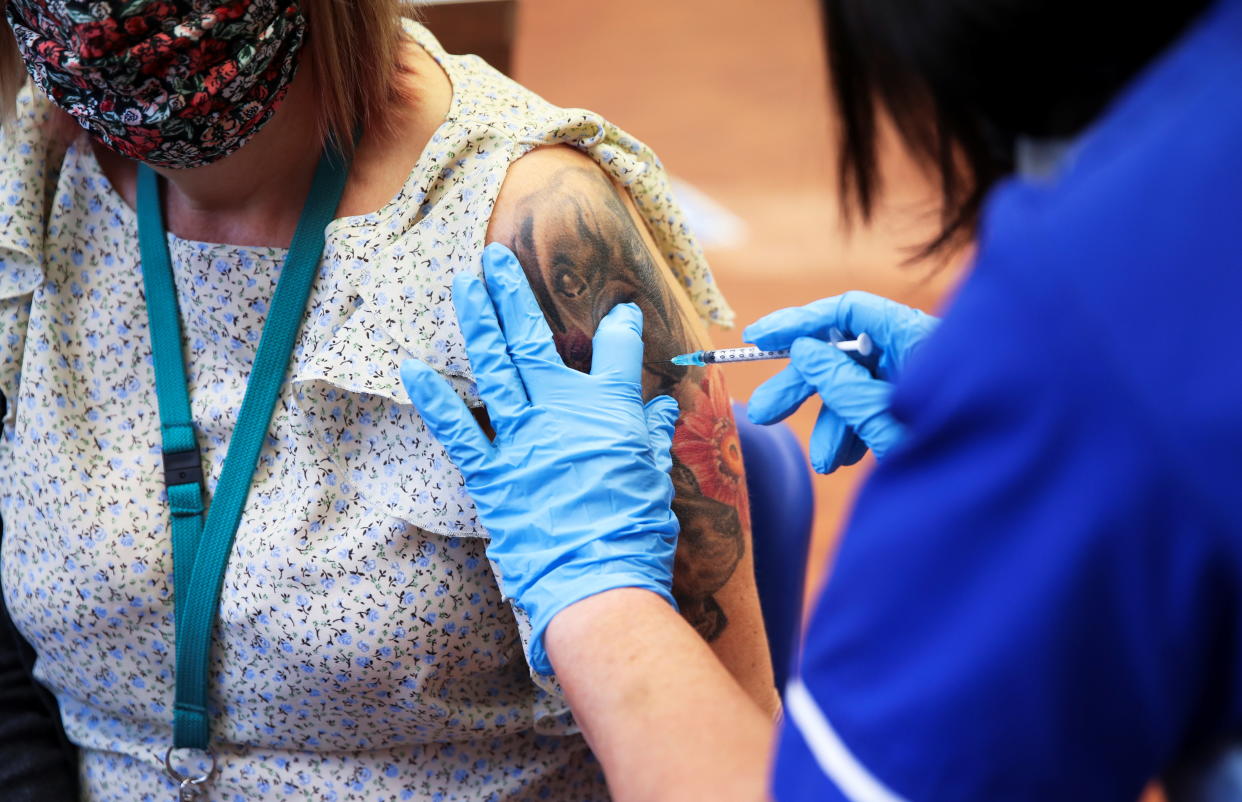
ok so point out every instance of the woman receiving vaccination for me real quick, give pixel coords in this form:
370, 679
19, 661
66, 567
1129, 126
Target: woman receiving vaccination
245, 568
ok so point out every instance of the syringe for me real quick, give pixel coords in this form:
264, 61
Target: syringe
862, 346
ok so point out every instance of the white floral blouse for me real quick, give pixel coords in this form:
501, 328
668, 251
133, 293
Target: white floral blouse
363, 651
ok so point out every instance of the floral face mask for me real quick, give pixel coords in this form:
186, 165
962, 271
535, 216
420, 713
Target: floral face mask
173, 83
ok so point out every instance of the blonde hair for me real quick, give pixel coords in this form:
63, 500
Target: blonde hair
12, 70
353, 50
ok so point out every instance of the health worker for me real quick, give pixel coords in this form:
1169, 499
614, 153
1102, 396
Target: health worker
1039, 595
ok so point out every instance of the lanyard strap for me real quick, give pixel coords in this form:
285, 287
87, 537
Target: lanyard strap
201, 548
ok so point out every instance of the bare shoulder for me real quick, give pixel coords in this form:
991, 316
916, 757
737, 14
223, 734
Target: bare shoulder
585, 249
531, 172
559, 184
541, 187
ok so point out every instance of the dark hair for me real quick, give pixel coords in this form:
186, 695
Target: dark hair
962, 79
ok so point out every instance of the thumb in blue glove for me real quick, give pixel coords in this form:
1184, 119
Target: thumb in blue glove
855, 414
574, 490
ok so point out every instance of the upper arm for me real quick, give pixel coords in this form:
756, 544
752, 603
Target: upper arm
585, 249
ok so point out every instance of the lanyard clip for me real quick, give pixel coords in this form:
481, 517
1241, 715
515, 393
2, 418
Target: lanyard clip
183, 467
189, 786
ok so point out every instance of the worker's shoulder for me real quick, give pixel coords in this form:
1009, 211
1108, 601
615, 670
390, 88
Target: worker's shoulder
1162, 168
1132, 256
1146, 209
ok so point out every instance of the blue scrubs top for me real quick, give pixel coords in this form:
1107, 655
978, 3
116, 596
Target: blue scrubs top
1039, 596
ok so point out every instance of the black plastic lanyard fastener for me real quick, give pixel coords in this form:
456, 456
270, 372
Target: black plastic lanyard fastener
183, 467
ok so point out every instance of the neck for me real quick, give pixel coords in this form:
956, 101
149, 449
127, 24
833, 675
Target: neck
255, 195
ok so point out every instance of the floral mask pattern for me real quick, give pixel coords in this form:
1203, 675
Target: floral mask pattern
173, 83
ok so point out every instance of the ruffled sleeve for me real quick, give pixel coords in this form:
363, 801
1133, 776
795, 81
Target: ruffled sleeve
385, 297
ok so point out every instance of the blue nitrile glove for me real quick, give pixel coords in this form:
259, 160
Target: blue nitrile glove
855, 414
575, 488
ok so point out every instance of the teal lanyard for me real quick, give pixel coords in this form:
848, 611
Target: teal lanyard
201, 548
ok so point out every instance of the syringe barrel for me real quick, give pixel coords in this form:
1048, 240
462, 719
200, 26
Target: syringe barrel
749, 354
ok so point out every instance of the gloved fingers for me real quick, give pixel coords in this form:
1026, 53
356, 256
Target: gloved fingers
829, 440
895, 328
852, 450
662, 413
499, 383
779, 329
852, 312
525, 328
446, 416
778, 397
617, 348
832, 441
878, 316
849, 390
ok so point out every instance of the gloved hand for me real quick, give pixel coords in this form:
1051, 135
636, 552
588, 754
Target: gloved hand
855, 414
575, 488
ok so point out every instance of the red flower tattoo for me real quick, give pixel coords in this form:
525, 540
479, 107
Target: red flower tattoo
707, 443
